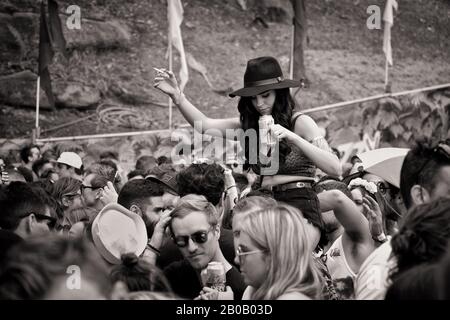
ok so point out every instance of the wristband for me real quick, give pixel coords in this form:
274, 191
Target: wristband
157, 251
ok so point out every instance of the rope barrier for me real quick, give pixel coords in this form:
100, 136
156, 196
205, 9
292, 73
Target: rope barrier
127, 114
380, 96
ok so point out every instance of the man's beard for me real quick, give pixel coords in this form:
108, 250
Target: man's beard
149, 225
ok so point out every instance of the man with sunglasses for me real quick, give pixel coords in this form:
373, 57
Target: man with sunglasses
195, 230
23, 212
424, 177
97, 191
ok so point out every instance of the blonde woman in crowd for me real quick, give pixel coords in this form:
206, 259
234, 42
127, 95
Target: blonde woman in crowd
275, 257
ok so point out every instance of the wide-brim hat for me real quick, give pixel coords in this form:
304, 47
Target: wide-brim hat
117, 231
262, 74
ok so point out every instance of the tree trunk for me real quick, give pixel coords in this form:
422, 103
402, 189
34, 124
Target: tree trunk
299, 45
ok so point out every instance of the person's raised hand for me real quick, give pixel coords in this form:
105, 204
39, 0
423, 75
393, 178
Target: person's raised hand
281, 132
109, 194
163, 222
373, 213
166, 81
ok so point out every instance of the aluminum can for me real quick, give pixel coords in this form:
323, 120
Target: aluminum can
214, 276
266, 140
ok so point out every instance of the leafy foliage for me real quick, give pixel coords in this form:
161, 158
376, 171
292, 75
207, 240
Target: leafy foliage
401, 121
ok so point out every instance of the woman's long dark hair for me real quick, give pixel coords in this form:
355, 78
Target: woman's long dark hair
282, 113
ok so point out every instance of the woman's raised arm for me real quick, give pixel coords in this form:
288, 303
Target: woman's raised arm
166, 82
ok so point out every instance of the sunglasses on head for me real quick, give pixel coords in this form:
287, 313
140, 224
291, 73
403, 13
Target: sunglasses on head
197, 237
51, 222
83, 187
72, 195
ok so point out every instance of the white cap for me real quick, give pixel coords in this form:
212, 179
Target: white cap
117, 231
71, 159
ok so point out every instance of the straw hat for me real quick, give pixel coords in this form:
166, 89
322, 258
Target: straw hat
116, 231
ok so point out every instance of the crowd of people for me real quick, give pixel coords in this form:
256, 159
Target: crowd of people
310, 230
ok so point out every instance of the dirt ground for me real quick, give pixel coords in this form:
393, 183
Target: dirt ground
344, 59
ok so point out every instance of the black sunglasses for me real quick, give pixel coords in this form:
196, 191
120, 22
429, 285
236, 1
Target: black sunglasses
51, 222
197, 237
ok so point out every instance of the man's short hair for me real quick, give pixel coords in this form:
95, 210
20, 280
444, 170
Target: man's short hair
202, 179
104, 168
145, 163
109, 154
25, 152
41, 190
195, 203
16, 201
421, 166
137, 191
135, 173
38, 164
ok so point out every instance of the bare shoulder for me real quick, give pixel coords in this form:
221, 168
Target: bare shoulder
293, 296
306, 127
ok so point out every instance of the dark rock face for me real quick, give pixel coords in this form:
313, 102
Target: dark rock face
19, 36
19, 89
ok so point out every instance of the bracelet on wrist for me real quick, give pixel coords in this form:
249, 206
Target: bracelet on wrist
233, 186
157, 251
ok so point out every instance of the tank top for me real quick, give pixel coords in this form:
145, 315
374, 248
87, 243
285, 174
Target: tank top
296, 163
341, 273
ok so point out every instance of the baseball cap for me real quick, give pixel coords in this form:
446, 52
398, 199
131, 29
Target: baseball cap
71, 159
164, 174
117, 231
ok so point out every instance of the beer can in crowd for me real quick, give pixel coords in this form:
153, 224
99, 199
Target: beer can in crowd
266, 140
214, 276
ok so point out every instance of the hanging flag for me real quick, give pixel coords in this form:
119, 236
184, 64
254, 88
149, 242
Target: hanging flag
56, 32
388, 18
45, 57
200, 68
175, 18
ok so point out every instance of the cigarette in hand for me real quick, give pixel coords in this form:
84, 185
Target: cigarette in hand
159, 70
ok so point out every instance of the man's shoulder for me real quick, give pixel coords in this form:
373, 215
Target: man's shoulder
380, 255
